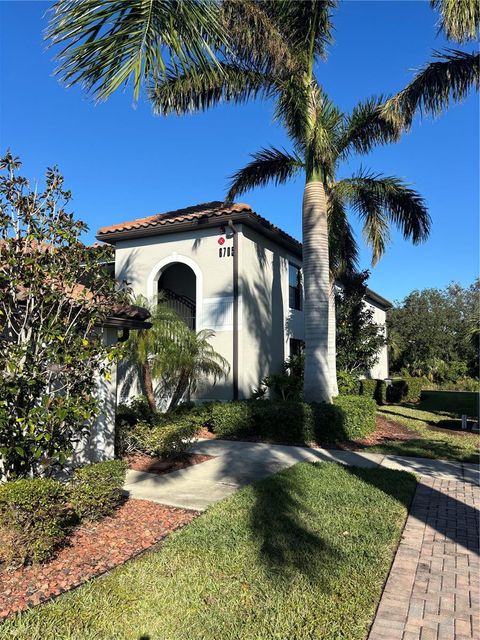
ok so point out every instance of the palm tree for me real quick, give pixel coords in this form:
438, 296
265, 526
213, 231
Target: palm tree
281, 66
172, 353
107, 43
452, 73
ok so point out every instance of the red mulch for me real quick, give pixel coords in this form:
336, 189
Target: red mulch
92, 549
206, 434
142, 462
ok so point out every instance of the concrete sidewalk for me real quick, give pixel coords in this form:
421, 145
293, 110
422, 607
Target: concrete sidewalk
239, 463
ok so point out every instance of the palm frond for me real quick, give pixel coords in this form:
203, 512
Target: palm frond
304, 24
459, 19
449, 78
383, 200
343, 248
106, 44
268, 165
367, 126
197, 89
255, 36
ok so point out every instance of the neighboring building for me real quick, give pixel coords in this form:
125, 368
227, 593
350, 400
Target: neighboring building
224, 267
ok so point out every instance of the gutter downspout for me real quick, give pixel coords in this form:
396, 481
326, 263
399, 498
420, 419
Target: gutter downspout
235, 310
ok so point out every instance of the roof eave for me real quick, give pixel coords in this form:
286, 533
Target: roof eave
245, 217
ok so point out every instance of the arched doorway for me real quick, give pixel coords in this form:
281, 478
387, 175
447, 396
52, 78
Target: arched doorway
177, 287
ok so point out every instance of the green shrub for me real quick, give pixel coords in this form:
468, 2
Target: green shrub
34, 518
283, 421
462, 384
96, 489
233, 419
169, 440
137, 411
296, 422
348, 384
358, 415
373, 388
408, 388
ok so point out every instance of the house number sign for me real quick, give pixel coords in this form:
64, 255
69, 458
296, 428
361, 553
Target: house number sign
223, 251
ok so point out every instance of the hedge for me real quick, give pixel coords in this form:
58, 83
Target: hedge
169, 440
34, 518
348, 384
407, 388
296, 422
373, 388
457, 402
96, 489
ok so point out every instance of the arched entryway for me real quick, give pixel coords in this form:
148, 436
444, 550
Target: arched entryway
177, 287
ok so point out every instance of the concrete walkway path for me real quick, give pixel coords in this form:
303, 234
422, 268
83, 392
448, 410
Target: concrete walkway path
239, 463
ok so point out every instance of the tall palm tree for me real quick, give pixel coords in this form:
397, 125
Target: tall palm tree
452, 73
106, 43
282, 67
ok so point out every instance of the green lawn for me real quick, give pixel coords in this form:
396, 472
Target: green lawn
301, 555
428, 443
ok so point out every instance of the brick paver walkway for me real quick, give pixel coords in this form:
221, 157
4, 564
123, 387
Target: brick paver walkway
433, 590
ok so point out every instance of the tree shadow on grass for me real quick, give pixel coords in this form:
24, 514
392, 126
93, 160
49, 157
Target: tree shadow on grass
279, 521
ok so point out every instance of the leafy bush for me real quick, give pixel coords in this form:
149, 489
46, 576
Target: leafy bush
462, 384
358, 415
296, 422
233, 419
169, 440
137, 411
34, 517
373, 388
96, 489
348, 383
408, 388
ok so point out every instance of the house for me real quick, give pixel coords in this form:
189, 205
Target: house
225, 268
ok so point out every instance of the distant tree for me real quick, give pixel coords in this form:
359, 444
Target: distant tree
434, 332
172, 356
54, 296
359, 337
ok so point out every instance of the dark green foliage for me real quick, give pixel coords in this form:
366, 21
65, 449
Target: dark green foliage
359, 337
408, 389
433, 333
33, 519
166, 440
358, 415
348, 383
296, 422
287, 385
137, 410
96, 489
373, 388
55, 293
457, 402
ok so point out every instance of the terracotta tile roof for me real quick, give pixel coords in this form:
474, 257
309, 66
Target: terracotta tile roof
204, 211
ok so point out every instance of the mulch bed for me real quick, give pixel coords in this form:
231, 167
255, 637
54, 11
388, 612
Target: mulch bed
92, 549
142, 462
386, 431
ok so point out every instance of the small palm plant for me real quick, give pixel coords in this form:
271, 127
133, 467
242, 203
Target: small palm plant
278, 45
172, 354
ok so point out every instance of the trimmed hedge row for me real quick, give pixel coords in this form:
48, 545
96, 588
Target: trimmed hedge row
36, 514
169, 440
295, 422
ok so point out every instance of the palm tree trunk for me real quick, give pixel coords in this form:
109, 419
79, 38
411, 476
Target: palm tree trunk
316, 276
332, 341
180, 390
148, 386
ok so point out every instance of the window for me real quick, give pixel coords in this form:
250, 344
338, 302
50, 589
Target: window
296, 347
294, 287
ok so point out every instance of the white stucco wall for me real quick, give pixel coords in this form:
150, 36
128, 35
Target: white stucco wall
380, 369
100, 443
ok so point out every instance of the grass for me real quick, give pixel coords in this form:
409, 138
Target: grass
300, 555
427, 443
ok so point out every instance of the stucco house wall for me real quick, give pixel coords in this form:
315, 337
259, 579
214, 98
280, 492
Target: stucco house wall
204, 242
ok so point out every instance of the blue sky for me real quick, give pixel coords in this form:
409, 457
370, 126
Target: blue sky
121, 162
